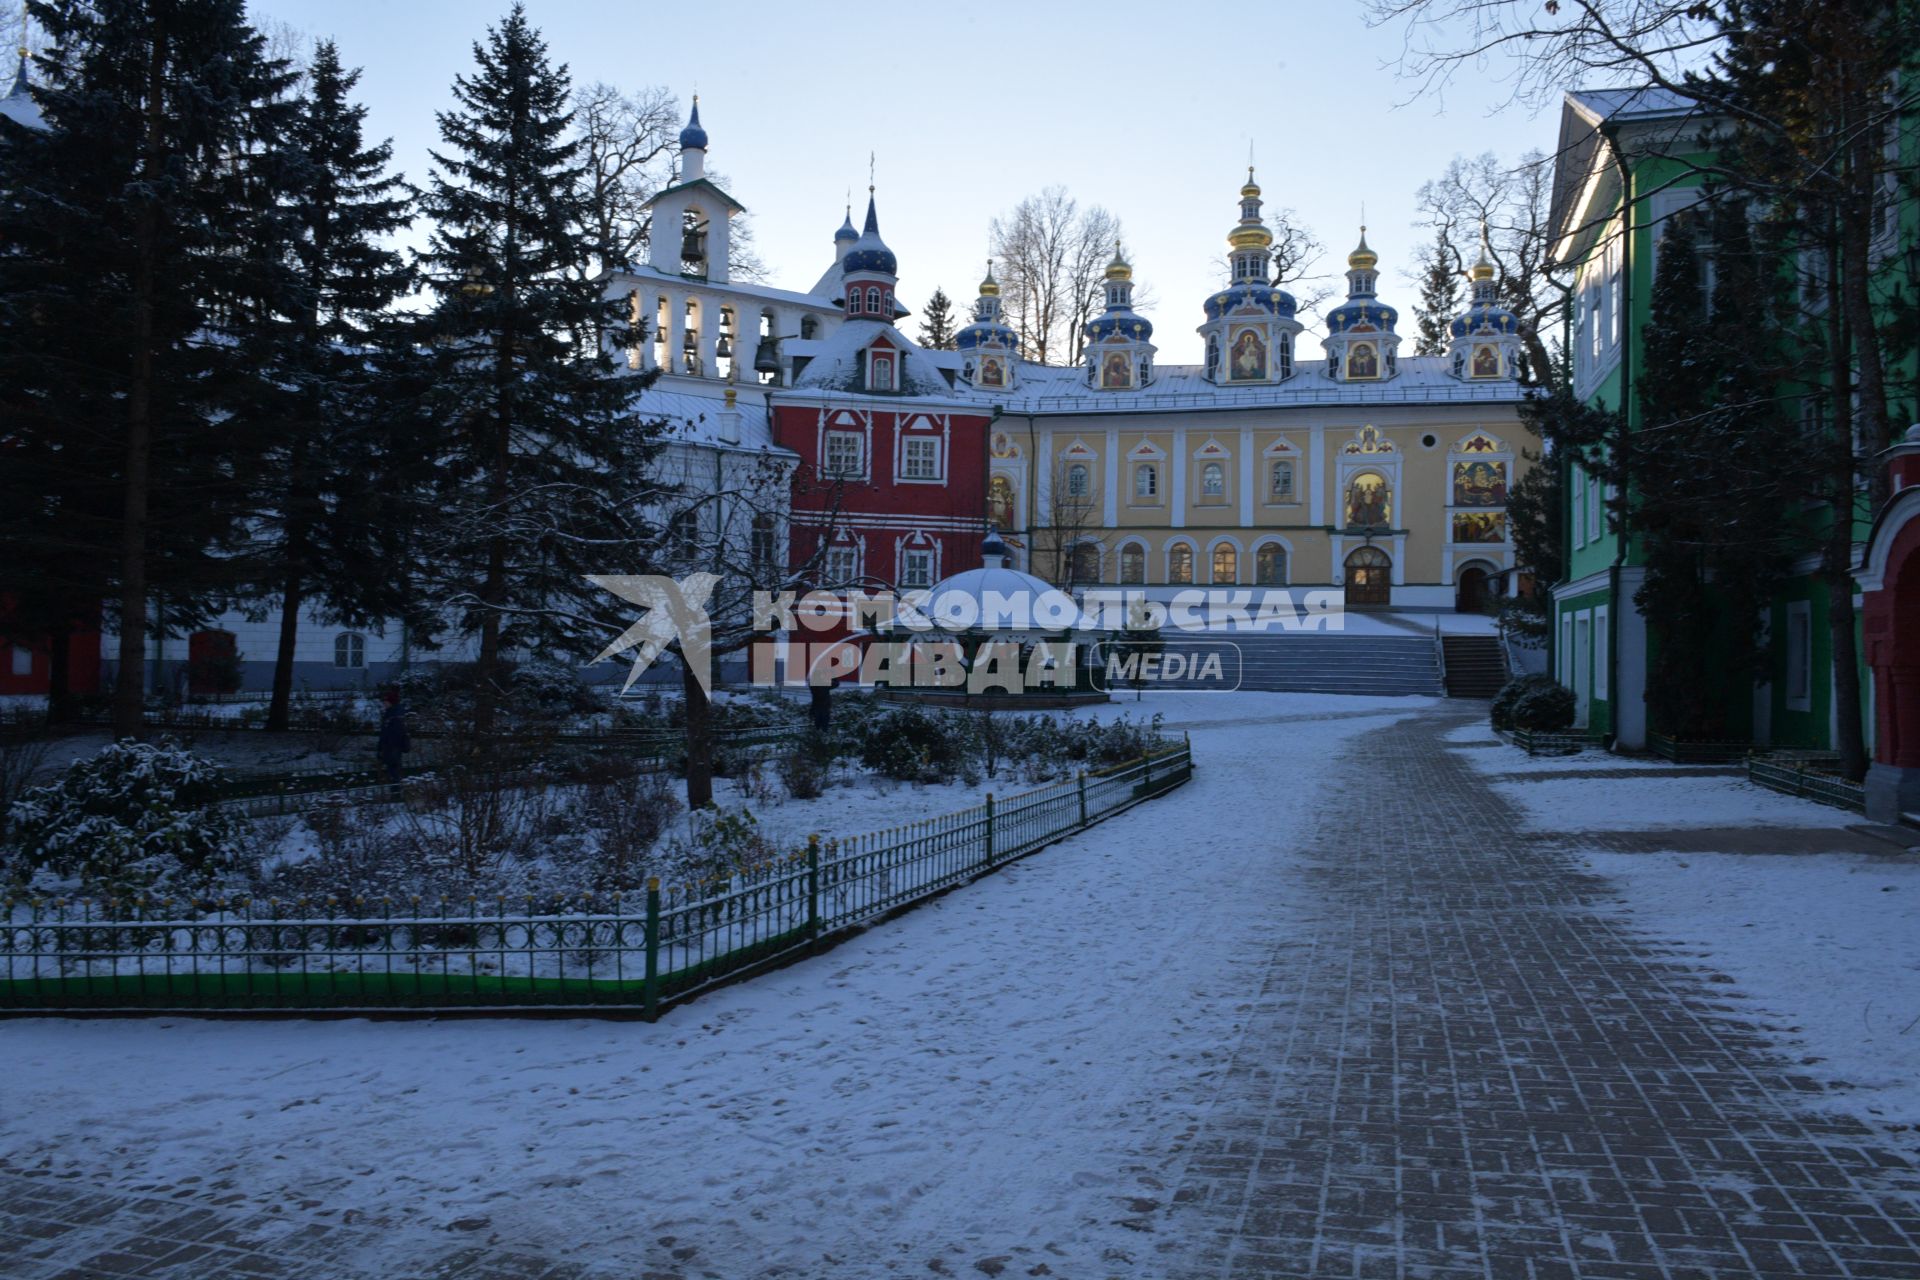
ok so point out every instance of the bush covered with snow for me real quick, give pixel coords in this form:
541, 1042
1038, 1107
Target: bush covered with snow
131, 818
1536, 703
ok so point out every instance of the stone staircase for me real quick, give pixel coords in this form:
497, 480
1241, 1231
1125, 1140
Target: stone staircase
1475, 666
1316, 662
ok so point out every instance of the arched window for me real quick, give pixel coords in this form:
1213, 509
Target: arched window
1286, 355
1280, 481
1146, 480
1213, 480
1133, 563
1077, 481
683, 534
873, 300
1180, 563
350, 650
1270, 565
1085, 562
1226, 563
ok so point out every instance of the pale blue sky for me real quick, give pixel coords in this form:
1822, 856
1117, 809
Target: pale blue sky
1144, 108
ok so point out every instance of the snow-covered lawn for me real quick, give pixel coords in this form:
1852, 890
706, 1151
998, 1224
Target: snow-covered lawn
1004, 1073
1826, 946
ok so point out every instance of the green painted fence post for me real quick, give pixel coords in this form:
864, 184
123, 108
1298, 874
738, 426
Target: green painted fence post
813, 886
1083, 797
989, 829
651, 1008
1146, 773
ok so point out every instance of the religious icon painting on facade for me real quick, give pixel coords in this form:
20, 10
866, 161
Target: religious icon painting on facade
1363, 361
1479, 526
1000, 502
1479, 484
1486, 362
1114, 371
992, 373
1369, 501
1248, 358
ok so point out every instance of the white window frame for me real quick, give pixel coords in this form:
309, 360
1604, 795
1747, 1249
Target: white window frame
348, 646
1219, 491
22, 660
1799, 653
1151, 473
1600, 653
909, 558
892, 360
1131, 549
1079, 481
858, 440
1579, 521
841, 564
927, 468
1276, 491
1593, 508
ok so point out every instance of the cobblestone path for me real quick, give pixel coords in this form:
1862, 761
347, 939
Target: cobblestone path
1465, 1065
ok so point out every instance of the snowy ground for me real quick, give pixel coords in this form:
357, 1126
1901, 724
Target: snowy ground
1826, 946
1005, 1073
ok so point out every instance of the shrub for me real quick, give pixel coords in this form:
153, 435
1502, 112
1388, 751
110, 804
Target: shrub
1536, 703
1544, 709
130, 818
804, 774
628, 815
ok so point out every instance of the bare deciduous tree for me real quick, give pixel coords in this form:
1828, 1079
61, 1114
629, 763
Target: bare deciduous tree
628, 148
1512, 202
1051, 256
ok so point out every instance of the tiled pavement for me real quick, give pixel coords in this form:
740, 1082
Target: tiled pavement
1465, 1066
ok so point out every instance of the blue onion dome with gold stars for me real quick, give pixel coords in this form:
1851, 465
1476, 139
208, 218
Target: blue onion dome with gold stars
1119, 319
987, 329
1362, 310
870, 252
1484, 314
1250, 251
693, 137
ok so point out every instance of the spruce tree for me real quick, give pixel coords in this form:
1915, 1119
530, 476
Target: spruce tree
332, 507
123, 293
533, 485
936, 322
1439, 295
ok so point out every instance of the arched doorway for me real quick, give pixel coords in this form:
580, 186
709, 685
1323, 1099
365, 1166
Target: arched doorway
1369, 579
1890, 626
1474, 589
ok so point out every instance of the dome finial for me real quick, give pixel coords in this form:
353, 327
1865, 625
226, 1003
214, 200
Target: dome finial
693, 137
1483, 267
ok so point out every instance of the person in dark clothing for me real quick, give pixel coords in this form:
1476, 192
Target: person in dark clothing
393, 735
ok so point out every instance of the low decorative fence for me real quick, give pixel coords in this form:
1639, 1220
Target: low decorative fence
1539, 742
1807, 774
639, 952
1697, 751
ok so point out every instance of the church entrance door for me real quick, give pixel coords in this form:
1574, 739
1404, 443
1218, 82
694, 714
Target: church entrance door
1369, 579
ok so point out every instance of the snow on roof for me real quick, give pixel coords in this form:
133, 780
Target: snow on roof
19, 106
834, 363
1633, 104
700, 417
1422, 379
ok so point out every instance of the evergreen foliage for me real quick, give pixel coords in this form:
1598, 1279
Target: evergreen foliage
936, 322
125, 296
1439, 295
538, 478
331, 510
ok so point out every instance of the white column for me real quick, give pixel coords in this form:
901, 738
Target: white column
1316, 477
1178, 497
709, 336
1112, 516
1043, 479
676, 328
1246, 476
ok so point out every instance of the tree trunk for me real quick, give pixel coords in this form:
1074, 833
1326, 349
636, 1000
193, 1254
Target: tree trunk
60, 671
129, 693
1856, 301
1849, 736
699, 739
279, 706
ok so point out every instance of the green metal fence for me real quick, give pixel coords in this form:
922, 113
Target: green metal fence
1811, 774
636, 952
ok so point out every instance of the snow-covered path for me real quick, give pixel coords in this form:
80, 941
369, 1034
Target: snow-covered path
1003, 1078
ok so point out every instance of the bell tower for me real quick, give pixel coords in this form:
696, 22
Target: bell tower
692, 218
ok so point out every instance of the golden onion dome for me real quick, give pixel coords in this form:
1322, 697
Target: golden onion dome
1363, 257
989, 288
1118, 268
